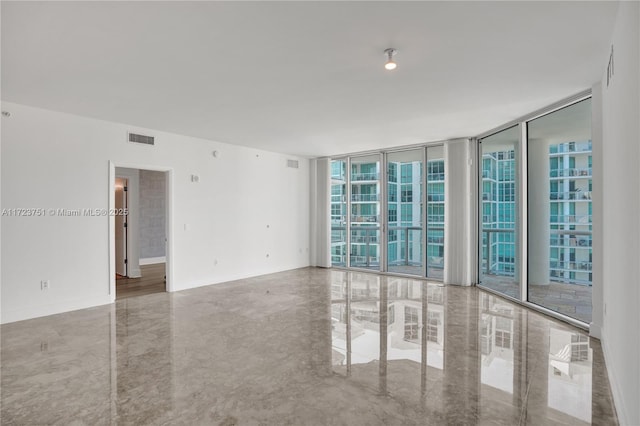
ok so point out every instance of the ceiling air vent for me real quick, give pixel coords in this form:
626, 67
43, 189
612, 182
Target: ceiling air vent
292, 163
146, 140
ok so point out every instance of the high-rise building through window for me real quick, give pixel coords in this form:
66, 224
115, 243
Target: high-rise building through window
570, 206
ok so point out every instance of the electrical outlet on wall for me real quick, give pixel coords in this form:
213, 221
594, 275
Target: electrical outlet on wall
44, 285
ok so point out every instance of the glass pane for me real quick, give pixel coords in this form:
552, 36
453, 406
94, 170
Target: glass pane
435, 212
404, 200
365, 212
338, 213
559, 188
499, 218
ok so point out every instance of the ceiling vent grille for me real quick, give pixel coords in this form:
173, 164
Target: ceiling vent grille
146, 140
292, 164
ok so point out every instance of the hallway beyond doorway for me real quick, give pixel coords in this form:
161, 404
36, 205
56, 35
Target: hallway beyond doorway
152, 281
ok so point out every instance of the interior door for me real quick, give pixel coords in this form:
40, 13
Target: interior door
121, 227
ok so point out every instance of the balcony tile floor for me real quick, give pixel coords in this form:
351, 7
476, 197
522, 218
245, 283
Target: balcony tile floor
569, 299
304, 347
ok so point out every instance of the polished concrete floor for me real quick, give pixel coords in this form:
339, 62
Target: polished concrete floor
304, 347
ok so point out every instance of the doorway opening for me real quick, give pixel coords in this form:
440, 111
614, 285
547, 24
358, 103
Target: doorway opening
140, 223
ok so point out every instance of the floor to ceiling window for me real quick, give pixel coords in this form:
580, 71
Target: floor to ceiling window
365, 216
558, 228
559, 189
389, 234
435, 211
498, 212
404, 205
339, 213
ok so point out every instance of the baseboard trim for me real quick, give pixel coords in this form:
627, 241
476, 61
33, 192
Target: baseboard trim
135, 273
30, 312
618, 400
153, 260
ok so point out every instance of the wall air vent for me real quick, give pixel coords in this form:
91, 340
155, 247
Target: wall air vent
292, 163
146, 140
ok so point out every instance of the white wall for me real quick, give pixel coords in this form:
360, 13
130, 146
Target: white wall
621, 215
247, 205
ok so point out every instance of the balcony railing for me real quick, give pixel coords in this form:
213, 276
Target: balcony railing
406, 230
570, 195
559, 237
370, 236
573, 172
435, 218
557, 241
367, 236
365, 197
571, 147
574, 219
364, 218
364, 261
572, 266
364, 176
489, 247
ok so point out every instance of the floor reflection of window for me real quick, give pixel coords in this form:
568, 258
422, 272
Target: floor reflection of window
433, 321
503, 333
485, 336
411, 324
579, 348
435, 295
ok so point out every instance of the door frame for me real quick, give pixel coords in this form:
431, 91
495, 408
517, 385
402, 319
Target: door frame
125, 225
169, 287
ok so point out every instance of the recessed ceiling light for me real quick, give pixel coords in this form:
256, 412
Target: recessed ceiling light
390, 65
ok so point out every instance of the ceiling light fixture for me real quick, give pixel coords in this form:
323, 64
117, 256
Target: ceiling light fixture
390, 65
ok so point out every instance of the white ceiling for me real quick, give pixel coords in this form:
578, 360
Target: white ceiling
303, 77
